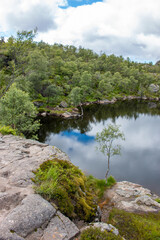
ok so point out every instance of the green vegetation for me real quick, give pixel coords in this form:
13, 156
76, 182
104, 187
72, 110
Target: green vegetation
96, 234
136, 226
75, 194
17, 111
157, 200
106, 140
5, 130
110, 181
54, 73
99, 185
64, 184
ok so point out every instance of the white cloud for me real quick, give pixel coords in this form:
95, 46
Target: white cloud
28, 14
128, 28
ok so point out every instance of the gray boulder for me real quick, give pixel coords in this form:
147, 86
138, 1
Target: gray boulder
33, 212
63, 104
107, 227
153, 88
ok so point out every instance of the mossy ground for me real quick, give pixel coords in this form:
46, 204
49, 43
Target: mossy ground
66, 185
96, 234
136, 226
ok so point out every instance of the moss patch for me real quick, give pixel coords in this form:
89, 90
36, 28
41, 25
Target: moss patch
64, 184
157, 200
96, 234
136, 226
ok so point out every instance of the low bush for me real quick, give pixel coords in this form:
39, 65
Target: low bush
6, 130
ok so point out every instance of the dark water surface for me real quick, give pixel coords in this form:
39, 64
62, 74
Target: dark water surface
140, 158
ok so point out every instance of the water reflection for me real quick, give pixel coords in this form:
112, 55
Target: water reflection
139, 162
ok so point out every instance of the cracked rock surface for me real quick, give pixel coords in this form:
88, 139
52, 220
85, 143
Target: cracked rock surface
130, 197
23, 214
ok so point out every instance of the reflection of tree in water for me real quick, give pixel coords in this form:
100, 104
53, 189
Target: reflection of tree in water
93, 114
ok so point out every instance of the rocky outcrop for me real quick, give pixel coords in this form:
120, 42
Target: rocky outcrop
67, 113
23, 214
63, 104
61, 112
153, 88
130, 197
26, 215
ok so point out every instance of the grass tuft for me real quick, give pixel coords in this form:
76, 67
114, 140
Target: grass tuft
136, 226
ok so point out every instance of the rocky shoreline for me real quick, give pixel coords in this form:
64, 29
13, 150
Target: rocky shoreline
74, 113
26, 215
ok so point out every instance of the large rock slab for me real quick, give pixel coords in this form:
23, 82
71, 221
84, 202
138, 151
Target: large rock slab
23, 214
32, 213
60, 228
5, 234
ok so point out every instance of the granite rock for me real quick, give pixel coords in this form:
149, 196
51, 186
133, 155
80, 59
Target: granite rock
60, 228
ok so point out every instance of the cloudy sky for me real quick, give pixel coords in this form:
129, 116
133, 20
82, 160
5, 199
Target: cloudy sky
130, 28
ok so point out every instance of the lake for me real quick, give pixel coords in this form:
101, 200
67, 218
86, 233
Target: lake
139, 161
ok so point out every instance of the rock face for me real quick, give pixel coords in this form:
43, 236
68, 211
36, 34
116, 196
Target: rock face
63, 104
153, 88
23, 214
130, 197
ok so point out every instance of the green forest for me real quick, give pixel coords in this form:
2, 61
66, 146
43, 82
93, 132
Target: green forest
50, 74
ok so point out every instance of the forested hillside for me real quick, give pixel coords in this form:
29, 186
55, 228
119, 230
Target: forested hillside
52, 73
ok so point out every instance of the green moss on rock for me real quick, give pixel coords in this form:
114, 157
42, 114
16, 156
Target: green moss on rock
65, 184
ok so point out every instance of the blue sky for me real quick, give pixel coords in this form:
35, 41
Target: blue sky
76, 3
130, 28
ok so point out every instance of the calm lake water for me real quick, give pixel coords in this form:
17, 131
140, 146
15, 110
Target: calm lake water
140, 158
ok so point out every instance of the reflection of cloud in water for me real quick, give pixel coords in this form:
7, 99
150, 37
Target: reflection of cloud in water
139, 161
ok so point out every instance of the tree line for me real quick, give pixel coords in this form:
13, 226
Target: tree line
52, 73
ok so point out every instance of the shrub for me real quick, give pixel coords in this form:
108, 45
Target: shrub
6, 130
93, 233
64, 184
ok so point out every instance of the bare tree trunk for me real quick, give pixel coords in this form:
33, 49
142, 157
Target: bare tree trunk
81, 110
107, 169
